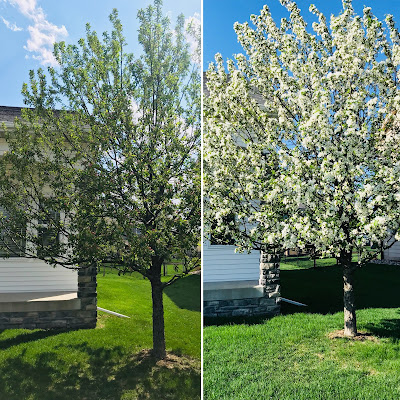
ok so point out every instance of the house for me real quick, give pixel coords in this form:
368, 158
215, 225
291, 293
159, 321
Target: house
238, 284
392, 253
34, 294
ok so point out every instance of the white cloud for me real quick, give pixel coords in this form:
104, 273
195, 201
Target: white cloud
43, 34
10, 25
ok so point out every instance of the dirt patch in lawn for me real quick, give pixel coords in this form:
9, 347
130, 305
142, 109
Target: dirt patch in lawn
171, 361
361, 336
102, 320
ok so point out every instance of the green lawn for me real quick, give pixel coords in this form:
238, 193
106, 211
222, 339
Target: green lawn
304, 262
109, 362
292, 357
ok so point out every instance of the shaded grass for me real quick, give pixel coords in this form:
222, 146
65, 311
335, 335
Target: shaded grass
109, 362
291, 357
376, 285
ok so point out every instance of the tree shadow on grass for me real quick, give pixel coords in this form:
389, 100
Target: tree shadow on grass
387, 328
97, 373
322, 288
186, 292
28, 336
243, 320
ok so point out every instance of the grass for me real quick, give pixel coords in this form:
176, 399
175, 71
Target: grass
291, 357
110, 362
304, 262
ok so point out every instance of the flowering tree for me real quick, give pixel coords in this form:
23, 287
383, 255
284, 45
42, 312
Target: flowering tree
315, 111
114, 175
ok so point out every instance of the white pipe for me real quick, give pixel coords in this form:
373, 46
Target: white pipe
112, 313
296, 303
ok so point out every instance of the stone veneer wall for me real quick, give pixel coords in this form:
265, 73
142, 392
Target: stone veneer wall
268, 305
241, 307
270, 275
82, 315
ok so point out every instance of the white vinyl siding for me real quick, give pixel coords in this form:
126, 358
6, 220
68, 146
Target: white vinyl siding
25, 275
393, 253
222, 264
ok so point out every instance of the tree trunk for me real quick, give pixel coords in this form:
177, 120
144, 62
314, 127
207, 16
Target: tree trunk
350, 321
158, 316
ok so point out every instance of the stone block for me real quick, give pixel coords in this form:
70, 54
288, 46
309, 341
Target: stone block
32, 314
89, 323
84, 279
213, 303
269, 258
267, 302
85, 301
241, 312
227, 308
84, 314
88, 271
274, 310
91, 307
26, 325
90, 283
59, 323
239, 303
271, 288
224, 314
274, 295
84, 293
11, 326
260, 311
267, 266
47, 314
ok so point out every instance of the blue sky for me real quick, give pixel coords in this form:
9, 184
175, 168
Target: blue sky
29, 27
220, 15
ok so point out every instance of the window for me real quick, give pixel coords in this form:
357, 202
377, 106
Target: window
48, 235
12, 240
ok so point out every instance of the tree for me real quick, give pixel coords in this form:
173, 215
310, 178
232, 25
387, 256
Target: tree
112, 176
330, 95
